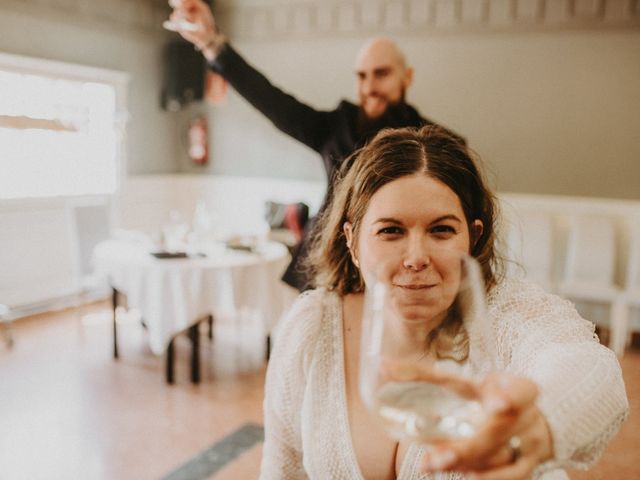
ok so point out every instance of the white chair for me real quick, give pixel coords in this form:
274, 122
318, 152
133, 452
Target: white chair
590, 272
632, 277
530, 247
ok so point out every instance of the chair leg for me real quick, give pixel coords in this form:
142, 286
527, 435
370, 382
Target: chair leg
619, 326
170, 362
210, 322
6, 331
114, 303
195, 353
268, 349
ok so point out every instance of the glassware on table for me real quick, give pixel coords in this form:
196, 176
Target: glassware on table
174, 232
394, 334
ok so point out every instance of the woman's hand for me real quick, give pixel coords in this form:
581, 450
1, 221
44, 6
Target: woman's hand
510, 444
206, 36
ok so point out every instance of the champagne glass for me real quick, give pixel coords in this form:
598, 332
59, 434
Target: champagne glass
180, 25
398, 330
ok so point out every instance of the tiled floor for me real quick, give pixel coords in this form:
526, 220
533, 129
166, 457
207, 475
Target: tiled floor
68, 410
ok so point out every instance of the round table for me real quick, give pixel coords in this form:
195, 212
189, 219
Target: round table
174, 294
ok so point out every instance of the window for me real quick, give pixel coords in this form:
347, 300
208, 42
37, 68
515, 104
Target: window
60, 129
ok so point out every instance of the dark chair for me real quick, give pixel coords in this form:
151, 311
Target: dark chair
285, 218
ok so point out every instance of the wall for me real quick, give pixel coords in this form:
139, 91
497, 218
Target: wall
236, 204
122, 35
30, 273
547, 96
545, 92
45, 249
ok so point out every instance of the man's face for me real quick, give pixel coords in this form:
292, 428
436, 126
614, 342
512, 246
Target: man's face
381, 78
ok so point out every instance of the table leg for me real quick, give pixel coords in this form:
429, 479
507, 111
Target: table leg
170, 361
210, 322
195, 353
268, 350
6, 331
114, 303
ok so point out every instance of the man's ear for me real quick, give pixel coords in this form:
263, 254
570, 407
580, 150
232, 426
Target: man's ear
477, 228
347, 228
408, 77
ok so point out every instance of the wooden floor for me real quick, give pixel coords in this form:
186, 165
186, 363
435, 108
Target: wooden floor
69, 411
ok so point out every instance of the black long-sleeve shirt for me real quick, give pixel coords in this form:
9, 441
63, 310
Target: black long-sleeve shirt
334, 134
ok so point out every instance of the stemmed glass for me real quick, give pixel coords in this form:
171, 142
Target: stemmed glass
180, 25
398, 334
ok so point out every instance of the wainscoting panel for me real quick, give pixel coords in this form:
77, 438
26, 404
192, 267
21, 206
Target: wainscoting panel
36, 255
45, 249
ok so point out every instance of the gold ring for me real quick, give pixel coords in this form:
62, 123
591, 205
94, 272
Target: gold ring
515, 444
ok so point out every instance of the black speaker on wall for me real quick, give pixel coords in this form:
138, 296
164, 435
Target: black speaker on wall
183, 75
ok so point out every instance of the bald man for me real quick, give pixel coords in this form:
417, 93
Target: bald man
382, 80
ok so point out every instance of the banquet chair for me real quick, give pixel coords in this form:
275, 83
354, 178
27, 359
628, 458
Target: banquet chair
286, 221
530, 240
632, 277
590, 272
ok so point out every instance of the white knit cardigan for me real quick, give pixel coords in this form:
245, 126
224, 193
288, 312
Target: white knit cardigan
531, 333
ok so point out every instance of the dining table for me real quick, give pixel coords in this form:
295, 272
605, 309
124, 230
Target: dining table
174, 292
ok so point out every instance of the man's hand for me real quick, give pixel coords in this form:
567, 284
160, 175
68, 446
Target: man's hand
205, 36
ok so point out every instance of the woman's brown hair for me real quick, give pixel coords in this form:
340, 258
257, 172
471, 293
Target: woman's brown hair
392, 154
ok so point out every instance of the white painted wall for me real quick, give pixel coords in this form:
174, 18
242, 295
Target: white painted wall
552, 111
32, 270
38, 243
87, 35
235, 204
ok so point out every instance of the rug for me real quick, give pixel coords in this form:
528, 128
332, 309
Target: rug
220, 454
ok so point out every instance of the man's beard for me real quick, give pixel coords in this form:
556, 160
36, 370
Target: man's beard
389, 117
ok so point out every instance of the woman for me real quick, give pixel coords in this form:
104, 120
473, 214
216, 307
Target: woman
558, 397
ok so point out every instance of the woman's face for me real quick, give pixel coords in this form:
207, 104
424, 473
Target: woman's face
411, 238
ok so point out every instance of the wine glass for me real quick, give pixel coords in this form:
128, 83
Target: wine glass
174, 232
397, 330
180, 25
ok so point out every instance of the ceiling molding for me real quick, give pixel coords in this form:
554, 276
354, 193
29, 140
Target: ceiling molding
143, 16
279, 19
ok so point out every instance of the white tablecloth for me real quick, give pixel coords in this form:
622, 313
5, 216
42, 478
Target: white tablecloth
173, 294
